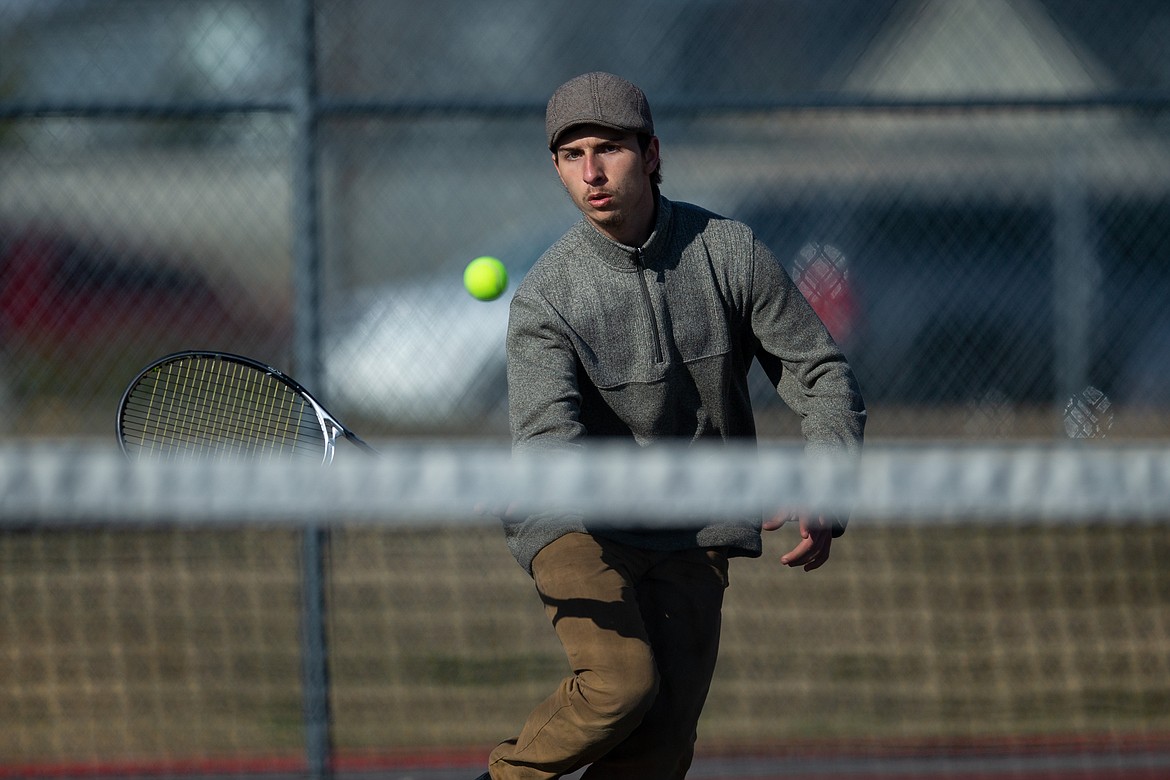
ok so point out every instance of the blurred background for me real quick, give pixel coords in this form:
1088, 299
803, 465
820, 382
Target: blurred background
974, 194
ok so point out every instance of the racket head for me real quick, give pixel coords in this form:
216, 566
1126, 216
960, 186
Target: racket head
202, 404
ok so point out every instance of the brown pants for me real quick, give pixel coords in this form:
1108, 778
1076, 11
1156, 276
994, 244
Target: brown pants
641, 632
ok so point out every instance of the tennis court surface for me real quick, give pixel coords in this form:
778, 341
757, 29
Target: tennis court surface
1138, 763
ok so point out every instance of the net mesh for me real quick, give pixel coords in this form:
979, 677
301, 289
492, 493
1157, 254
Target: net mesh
137, 633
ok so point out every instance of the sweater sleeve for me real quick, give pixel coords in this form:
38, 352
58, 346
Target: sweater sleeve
544, 398
805, 365
544, 405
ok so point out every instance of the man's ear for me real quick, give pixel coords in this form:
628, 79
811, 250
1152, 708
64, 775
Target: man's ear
557, 166
650, 158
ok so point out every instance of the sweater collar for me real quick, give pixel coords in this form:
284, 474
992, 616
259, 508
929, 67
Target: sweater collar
625, 258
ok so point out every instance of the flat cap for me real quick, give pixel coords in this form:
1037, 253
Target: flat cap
597, 99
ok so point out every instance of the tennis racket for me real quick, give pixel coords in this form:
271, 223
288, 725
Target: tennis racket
219, 405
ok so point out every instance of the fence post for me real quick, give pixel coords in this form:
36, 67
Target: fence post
306, 238
1076, 278
314, 655
307, 333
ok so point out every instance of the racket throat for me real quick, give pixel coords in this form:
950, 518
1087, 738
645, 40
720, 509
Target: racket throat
331, 432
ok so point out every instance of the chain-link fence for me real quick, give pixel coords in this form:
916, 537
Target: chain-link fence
975, 194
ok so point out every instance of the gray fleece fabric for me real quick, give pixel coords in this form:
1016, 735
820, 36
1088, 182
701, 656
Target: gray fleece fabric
654, 342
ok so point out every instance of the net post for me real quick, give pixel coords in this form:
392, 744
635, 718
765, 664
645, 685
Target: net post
314, 647
314, 654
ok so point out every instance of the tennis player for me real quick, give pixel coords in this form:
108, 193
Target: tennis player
640, 325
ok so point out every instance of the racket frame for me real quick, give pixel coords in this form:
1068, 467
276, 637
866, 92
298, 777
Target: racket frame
331, 427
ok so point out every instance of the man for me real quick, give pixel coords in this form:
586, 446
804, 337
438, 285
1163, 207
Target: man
640, 324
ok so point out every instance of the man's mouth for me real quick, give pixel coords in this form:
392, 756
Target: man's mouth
599, 199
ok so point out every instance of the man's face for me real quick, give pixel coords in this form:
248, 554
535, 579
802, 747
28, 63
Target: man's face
608, 178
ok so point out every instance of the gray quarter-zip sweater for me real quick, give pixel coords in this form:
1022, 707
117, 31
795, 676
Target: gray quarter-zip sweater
654, 342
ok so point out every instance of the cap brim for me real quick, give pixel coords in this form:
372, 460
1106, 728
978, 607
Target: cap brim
556, 136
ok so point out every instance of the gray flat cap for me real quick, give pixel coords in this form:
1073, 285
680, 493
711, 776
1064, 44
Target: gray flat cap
597, 99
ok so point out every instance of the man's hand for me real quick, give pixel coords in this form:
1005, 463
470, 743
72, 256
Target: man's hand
816, 537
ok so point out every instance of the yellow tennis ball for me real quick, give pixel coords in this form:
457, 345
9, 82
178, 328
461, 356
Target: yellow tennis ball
485, 278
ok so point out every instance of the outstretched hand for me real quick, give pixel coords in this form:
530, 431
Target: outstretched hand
816, 537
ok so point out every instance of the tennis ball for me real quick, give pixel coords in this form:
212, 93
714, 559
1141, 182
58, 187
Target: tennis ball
485, 278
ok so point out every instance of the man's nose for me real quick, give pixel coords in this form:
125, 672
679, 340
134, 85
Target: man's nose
593, 171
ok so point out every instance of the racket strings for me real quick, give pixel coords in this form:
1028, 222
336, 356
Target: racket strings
208, 407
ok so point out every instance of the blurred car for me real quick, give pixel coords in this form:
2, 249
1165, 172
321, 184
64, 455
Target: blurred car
419, 353
934, 304
957, 301
79, 317
61, 293
423, 352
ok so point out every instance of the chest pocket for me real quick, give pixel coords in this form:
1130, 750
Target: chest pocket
636, 326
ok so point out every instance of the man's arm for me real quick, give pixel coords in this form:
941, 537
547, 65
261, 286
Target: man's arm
544, 400
814, 379
805, 365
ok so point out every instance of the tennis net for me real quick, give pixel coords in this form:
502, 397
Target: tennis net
990, 601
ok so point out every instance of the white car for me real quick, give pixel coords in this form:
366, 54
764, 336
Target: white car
420, 354
424, 353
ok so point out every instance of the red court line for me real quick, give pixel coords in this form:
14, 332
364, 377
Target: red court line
870, 760
145, 768
1005, 745
1013, 774
293, 764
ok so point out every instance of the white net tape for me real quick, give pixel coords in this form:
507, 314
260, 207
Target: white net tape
469, 482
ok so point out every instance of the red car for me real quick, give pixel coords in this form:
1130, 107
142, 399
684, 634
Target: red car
55, 290
79, 318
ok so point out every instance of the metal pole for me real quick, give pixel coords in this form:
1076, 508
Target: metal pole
306, 239
1077, 274
307, 292
315, 656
